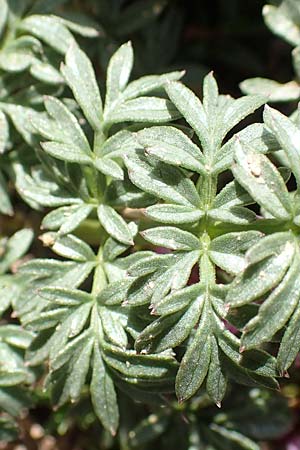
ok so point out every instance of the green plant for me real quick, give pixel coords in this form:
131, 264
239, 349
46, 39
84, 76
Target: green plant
14, 375
175, 245
29, 65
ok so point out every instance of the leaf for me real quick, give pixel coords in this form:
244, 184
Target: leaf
149, 83
268, 261
5, 203
66, 152
195, 363
143, 367
109, 167
39, 25
103, 394
228, 251
76, 379
171, 237
239, 109
178, 299
21, 117
160, 180
118, 73
290, 343
149, 263
275, 311
256, 135
232, 195
287, 135
3, 17
16, 336
80, 76
114, 224
254, 371
117, 145
113, 326
15, 248
216, 382
175, 277
115, 293
46, 319
71, 132
261, 179
64, 297
143, 109
112, 248
276, 92
283, 23
236, 215
45, 72
67, 352
296, 60
172, 146
80, 23
18, 54
173, 214
4, 132
191, 109
66, 219
73, 248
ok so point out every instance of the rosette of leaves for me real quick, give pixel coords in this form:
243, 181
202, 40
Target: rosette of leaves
283, 19
14, 374
201, 227
82, 173
271, 277
86, 335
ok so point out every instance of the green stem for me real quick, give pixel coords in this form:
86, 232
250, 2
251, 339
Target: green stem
100, 280
207, 187
266, 226
99, 139
207, 270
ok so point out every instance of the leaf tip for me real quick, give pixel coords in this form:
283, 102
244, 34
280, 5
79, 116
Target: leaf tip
113, 431
227, 308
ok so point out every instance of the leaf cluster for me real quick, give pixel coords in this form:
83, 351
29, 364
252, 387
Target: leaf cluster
174, 234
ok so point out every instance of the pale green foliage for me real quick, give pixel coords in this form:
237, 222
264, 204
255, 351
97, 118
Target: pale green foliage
117, 175
29, 62
14, 340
